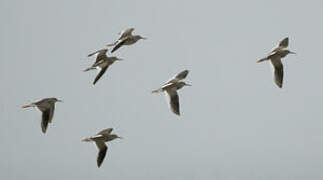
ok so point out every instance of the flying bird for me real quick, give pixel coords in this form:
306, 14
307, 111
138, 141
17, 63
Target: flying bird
122, 34
275, 57
47, 107
125, 38
100, 139
171, 87
102, 63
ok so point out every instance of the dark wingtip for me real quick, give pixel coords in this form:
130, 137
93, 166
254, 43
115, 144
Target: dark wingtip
177, 113
44, 131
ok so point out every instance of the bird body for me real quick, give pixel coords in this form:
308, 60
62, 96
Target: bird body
171, 87
99, 139
275, 57
47, 107
125, 38
123, 34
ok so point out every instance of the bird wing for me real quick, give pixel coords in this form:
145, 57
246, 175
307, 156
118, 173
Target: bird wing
125, 33
105, 131
180, 76
119, 45
281, 45
284, 43
45, 120
102, 152
278, 71
42, 104
100, 54
98, 137
100, 74
173, 100
51, 112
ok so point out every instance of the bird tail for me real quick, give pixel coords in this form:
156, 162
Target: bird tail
88, 69
27, 106
261, 60
157, 90
86, 139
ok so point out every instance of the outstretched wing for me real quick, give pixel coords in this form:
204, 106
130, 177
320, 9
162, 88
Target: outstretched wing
180, 76
102, 152
121, 43
125, 33
100, 54
106, 131
45, 120
282, 45
173, 101
100, 74
51, 112
278, 72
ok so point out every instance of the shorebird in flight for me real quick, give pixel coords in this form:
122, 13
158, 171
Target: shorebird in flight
100, 139
171, 87
47, 107
125, 38
275, 57
122, 34
102, 62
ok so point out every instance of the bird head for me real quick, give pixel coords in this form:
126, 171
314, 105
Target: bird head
114, 136
286, 52
182, 84
56, 100
290, 52
138, 37
115, 59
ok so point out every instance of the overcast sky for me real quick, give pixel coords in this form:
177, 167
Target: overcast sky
235, 123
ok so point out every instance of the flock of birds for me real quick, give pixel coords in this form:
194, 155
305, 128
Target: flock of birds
102, 62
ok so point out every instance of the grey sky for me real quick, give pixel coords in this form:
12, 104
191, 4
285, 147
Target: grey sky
235, 122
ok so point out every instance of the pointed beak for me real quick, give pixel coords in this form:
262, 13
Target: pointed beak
119, 59
292, 52
188, 84
60, 100
144, 38
120, 137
